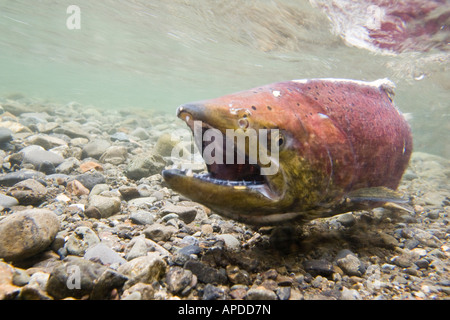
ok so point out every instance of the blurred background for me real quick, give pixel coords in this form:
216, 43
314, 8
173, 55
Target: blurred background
156, 55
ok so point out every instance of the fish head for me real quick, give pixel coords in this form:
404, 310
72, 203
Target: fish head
250, 143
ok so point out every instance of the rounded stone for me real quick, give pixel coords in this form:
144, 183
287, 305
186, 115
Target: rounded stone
26, 233
81, 239
28, 192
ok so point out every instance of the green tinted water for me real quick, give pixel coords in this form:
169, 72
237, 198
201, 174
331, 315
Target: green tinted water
159, 54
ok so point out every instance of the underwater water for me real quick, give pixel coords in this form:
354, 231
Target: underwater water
158, 54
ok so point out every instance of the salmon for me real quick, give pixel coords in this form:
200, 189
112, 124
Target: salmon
313, 148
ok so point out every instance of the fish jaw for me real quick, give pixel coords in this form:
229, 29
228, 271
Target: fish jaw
235, 188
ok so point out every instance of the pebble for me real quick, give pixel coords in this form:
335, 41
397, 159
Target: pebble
319, 267
103, 254
138, 248
80, 240
89, 180
28, 192
159, 232
349, 263
5, 135
142, 217
205, 273
76, 277
26, 233
106, 206
260, 293
115, 155
7, 201
36, 155
187, 214
145, 269
145, 165
230, 241
11, 178
95, 149
179, 280
76, 188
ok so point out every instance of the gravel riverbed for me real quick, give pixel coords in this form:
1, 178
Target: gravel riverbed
85, 214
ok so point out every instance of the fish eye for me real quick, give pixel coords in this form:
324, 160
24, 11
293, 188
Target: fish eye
281, 140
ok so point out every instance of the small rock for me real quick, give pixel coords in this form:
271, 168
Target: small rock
28, 192
319, 267
90, 165
145, 269
159, 232
26, 233
77, 277
129, 193
115, 155
107, 206
140, 133
21, 277
5, 135
350, 294
142, 217
68, 165
89, 180
165, 144
230, 241
205, 273
187, 214
76, 188
178, 280
144, 165
103, 254
7, 201
139, 291
211, 292
36, 155
346, 219
139, 248
93, 212
260, 293
120, 136
349, 263
12, 178
238, 276
7, 289
81, 239
95, 149
45, 141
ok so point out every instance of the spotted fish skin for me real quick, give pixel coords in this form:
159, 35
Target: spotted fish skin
340, 138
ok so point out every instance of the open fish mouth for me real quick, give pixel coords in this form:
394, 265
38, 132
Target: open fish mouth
227, 162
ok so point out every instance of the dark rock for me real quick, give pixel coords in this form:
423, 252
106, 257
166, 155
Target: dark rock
89, 180
178, 279
211, 292
77, 277
47, 167
205, 273
12, 178
318, 267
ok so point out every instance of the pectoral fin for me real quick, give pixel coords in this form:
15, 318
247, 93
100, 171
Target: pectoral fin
376, 194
